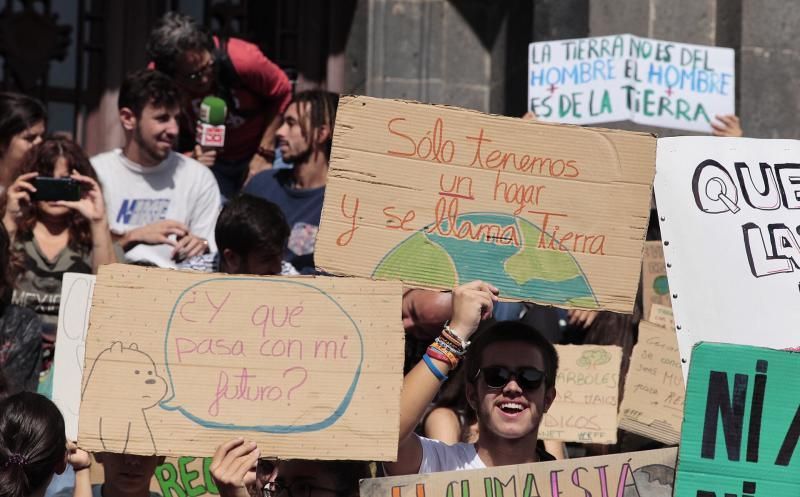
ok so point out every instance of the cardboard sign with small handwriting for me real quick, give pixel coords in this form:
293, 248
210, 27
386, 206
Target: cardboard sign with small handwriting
655, 286
728, 212
587, 394
741, 423
648, 473
179, 362
654, 393
438, 196
662, 315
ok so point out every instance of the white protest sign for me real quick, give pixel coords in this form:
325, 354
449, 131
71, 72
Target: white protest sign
625, 77
73, 322
728, 209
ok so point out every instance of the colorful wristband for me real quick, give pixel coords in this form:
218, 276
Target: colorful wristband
451, 336
437, 354
452, 359
438, 374
445, 345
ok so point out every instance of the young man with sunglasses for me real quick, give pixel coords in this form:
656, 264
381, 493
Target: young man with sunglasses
511, 372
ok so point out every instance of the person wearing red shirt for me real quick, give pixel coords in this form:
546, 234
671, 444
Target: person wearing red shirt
255, 89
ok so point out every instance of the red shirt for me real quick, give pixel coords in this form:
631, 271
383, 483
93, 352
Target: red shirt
264, 88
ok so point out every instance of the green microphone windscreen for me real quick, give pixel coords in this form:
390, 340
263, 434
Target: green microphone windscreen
213, 111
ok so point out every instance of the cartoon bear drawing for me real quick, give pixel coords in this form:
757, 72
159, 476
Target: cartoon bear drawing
105, 393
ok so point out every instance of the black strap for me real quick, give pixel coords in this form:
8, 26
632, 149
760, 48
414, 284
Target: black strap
228, 79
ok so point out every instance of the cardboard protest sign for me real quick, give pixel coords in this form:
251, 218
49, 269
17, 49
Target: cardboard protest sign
437, 196
587, 394
184, 476
662, 315
177, 477
73, 322
654, 393
625, 77
655, 287
649, 473
741, 423
728, 214
179, 362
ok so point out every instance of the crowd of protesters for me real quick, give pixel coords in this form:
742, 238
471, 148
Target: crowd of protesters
162, 200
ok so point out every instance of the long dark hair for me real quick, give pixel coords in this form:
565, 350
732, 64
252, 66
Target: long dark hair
6, 277
32, 443
18, 112
322, 111
42, 159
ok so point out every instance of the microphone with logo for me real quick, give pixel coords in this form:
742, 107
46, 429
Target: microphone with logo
211, 125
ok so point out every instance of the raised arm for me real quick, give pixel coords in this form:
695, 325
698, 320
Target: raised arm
471, 303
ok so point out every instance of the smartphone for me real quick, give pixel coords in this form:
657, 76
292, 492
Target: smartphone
48, 188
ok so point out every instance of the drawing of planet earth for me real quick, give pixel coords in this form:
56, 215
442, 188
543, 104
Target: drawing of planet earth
655, 480
524, 272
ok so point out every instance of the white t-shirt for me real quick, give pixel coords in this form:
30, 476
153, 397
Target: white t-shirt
180, 189
438, 456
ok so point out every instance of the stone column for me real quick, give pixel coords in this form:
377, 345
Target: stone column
453, 52
703, 22
770, 69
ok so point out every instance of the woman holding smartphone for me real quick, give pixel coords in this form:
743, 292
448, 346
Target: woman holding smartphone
52, 237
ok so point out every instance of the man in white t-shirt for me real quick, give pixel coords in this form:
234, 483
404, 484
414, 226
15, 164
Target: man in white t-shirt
162, 206
511, 372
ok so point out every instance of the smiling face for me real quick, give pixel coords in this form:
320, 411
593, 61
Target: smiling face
510, 412
154, 133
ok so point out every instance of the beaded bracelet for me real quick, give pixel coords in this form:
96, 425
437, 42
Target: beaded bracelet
450, 335
443, 355
445, 345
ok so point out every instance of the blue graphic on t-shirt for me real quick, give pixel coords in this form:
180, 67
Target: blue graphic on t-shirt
142, 211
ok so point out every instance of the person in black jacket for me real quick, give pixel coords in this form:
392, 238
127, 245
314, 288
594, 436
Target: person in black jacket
20, 332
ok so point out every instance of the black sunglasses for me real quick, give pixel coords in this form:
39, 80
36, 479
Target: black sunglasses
207, 68
499, 376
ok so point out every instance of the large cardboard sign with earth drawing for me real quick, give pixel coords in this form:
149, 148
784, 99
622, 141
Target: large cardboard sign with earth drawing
625, 77
179, 362
729, 210
648, 473
741, 423
438, 196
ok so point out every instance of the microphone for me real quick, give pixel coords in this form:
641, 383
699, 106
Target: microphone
211, 125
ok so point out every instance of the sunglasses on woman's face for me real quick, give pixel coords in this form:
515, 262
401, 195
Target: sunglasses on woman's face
498, 377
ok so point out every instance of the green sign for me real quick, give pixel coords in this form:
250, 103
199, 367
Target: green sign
741, 423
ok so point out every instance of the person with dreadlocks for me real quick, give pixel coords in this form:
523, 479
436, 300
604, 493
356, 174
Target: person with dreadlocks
304, 139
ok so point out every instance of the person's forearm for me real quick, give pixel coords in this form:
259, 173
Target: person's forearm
83, 484
102, 245
420, 386
10, 224
268, 139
